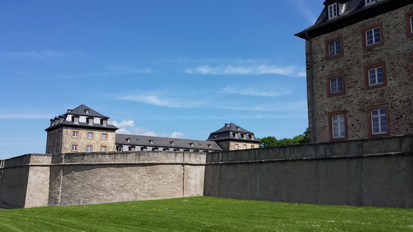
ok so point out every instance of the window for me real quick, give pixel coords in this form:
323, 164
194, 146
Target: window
334, 48
411, 24
244, 146
379, 122
332, 10
103, 148
236, 146
373, 36
252, 146
75, 134
89, 148
337, 125
336, 85
104, 135
90, 135
375, 75
74, 147
368, 2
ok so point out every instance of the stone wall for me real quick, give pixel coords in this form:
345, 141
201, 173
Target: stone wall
394, 54
377, 172
374, 172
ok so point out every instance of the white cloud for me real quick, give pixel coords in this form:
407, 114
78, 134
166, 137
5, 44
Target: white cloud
112, 71
161, 99
292, 71
128, 127
33, 54
25, 116
251, 91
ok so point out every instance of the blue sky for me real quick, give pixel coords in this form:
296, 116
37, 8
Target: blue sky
173, 68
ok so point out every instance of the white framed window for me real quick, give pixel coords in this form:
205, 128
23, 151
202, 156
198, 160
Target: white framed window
75, 134
89, 148
244, 146
379, 121
375, 76
236, 146
373, 36
338, 126
252, 146
74, 147
104, 136
90, 135
334, 48
333, 10
336, 85
103, 148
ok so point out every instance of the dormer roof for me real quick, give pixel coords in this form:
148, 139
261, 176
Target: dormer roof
349, 12
84, 110
232, 131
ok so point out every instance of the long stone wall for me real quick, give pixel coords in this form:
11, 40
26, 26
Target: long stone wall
93, 178
376, 172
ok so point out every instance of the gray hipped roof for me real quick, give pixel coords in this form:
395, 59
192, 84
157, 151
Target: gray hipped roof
81, 110
232, 131
154, 141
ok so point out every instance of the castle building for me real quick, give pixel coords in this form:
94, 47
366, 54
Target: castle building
233, 137
83, 129
359, 56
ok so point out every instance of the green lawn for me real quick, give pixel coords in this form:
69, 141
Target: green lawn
206, 214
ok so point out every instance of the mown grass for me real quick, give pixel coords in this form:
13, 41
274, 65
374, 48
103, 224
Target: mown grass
206, 214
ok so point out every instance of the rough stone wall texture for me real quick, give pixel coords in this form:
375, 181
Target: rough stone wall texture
395, 53
82, 141
100, 178
376, 172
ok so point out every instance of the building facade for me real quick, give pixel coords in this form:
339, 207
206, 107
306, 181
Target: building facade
81, 129
360, 70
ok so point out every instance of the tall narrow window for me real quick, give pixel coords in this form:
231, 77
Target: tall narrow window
409, 24
332, 10
90, 135
89, 148
379, 121
103, 149
375, 76
75, 134
334, 48
373, 36
74, 147
338, 128
336, 85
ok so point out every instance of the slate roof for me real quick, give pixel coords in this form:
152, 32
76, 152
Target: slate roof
81, 110
350, 12
229, 130
154, 141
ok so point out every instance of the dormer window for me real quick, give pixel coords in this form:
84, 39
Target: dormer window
191, 144
86, 111
128, 140
333, 10
172, 143
151, 141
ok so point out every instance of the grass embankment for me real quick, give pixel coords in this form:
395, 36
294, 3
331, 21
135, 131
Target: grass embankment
206, 214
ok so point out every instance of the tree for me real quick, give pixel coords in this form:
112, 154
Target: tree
271, 141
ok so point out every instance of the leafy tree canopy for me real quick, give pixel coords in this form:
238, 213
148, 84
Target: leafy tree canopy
271, 141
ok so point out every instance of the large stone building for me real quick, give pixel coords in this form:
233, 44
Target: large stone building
83, 129
360, 70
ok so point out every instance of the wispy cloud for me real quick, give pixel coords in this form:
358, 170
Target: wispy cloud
162, 99
303, 6
292, 71
24, 116
128, 127
252, 91
112, 71
34, 54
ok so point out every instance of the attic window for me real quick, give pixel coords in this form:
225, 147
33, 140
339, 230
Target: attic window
209, 146
172, 143
128, 140
333, 10
191, 144
151, 141
86, 111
